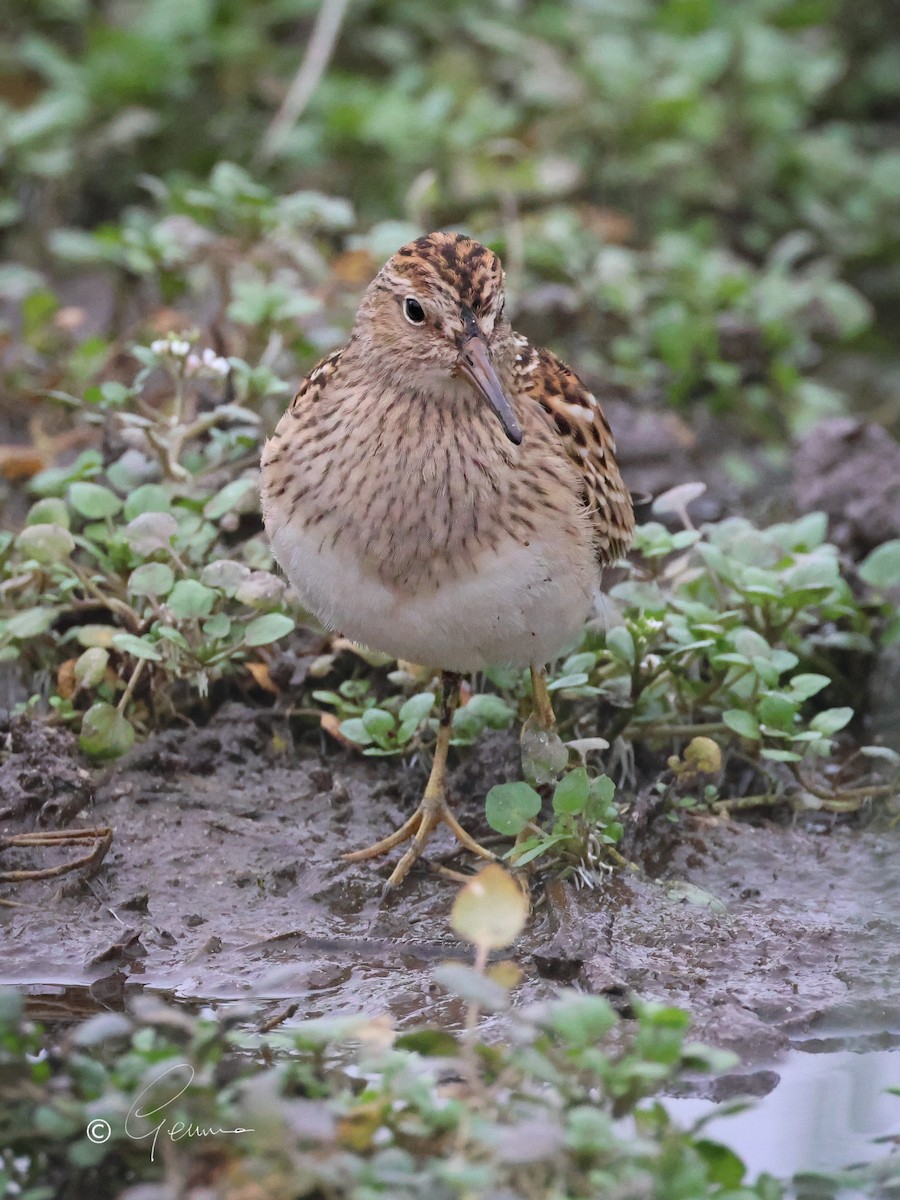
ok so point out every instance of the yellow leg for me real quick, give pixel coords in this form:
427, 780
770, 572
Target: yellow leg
433, 810
542, 709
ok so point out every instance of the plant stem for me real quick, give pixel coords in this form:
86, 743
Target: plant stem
131, 685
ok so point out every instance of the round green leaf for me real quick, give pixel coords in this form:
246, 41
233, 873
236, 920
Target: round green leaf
93, 501
260, 589
150, 497
510, 806
189, 598
150, 531
571, 793
105, 733
50, 511
603, 790
269, 628
217, 626
46, 543
152, 579
225, 574
882, 567
378, 722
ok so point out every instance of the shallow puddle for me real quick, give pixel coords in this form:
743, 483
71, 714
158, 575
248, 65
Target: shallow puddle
829, 1110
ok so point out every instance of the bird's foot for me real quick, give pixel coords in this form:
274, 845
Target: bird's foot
433, 811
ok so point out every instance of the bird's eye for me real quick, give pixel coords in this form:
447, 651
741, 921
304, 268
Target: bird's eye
413, 311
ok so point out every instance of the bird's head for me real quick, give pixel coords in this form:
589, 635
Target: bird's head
434, 314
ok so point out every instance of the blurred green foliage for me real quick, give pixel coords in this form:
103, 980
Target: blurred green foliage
688, 194
762, 114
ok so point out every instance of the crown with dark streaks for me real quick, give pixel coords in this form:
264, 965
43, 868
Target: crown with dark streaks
454, 263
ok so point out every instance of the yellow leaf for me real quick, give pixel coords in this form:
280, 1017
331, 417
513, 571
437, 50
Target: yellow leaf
491, 909
703, 754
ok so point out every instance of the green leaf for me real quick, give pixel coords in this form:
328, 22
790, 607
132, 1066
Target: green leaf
881, 569
217, 627
805, 686
261, 631
510, 806
150, 497
50, 511
525, 852
150, 531
490, 910
723, 1166
31, 622
743, 723
417, 707
778, 710
576, 679
379, 723
831, 720
620, 645
603, 790
571, 793
93, 501
189, 598
105, 733
138, 647
225, 574
169, 634
354, 731
490, 710
232, 498
581, 1021
46, 544
151, 579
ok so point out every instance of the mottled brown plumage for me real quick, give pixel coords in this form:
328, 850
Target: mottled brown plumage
441, 490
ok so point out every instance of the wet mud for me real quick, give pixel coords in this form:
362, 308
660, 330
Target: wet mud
224, 886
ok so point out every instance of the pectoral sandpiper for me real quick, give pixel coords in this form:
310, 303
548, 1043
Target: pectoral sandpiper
444, 492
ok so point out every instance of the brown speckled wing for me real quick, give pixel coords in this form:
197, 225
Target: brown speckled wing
297, 424
587, 440
312, 385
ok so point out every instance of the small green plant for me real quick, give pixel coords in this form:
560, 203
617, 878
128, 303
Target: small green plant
585, 828
734, 632
123, 576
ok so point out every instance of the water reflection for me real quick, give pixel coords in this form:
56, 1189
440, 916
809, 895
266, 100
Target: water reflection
826, 1113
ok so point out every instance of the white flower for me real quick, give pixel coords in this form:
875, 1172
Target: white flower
160, 346
212, 362
179, 348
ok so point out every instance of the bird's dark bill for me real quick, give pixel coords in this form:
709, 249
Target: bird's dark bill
479, 370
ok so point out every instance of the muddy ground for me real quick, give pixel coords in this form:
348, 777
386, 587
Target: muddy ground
223, 885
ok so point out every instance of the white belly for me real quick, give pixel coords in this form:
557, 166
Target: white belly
521, 605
